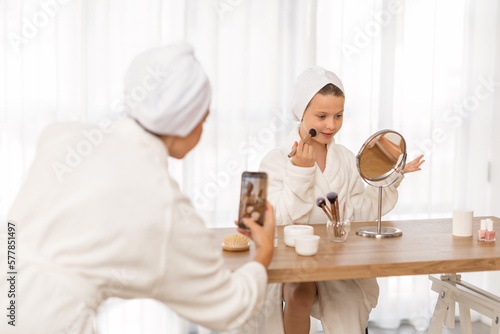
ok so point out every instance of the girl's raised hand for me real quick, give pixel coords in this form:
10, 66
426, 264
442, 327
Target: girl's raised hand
414, 165
305, 156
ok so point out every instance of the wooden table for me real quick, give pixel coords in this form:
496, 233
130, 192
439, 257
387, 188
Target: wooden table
426, 247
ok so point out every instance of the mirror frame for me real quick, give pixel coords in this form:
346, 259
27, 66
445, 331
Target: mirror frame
401, 163
397, 170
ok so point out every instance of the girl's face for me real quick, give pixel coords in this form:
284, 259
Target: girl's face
325, 114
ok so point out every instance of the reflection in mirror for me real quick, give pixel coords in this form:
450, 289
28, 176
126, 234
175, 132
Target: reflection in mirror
380, 162
381, 156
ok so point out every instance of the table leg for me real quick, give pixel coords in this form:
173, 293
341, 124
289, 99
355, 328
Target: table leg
442, 306
449, 319
465, 323
495, 324
452, 289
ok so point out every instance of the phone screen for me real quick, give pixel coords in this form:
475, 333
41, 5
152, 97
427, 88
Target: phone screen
253, 197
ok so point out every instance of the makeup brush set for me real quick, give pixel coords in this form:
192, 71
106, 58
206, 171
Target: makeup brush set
337, 227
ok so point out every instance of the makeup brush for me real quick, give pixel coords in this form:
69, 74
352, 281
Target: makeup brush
337, 211
334, 202
332, 198
321, 202
343, 232
343, 211
312, 133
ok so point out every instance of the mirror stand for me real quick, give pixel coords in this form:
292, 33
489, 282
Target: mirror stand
379, 231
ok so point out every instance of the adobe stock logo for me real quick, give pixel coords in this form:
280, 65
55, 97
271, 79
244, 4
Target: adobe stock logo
225, 6
31, 27
454, 116
363, 37
94, 137
247, 149
75, 155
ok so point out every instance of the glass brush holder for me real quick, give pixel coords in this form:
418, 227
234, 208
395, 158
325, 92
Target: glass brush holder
338, 231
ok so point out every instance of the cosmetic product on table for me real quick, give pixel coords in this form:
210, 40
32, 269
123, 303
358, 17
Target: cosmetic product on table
332, 198
306, 245
462, 223
337, 228
321, 202
490, 232
481, 233
338, 231
291, 231
343, 211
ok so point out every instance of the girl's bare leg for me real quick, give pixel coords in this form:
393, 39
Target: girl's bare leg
299, 298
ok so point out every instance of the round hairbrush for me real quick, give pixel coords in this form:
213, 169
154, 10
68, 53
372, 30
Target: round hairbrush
235, 242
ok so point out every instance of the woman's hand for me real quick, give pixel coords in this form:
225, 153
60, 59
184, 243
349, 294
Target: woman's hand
414, 165
263, 236
304, 156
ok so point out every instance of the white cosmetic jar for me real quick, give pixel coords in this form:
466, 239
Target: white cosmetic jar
306, 245
292, 231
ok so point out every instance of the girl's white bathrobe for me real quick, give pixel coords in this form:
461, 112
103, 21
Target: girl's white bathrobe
99, 216
343, 306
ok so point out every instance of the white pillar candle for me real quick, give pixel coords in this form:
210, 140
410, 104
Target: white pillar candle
462, 223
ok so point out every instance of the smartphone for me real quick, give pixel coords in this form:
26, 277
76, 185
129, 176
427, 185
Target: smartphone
253, 197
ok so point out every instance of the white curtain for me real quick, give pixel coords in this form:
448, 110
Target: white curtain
428, 69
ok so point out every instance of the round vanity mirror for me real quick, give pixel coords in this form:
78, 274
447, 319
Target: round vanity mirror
380, 162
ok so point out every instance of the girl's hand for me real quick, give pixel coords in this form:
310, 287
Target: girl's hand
414, 165
305, 156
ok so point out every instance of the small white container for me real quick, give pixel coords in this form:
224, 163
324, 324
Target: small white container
306, 245
462, 223
294, 230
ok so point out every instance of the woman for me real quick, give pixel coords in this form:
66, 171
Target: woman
99, 216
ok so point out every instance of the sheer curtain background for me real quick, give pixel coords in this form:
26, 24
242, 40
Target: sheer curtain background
427, 69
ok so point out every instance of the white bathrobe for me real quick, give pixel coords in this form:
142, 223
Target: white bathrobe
113, 223
343, 306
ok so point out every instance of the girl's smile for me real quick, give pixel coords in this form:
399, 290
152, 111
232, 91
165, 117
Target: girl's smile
327, 135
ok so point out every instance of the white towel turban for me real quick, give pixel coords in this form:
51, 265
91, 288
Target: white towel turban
167, 90
307, 85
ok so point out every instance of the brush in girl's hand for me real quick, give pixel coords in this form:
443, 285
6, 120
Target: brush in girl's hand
321, 202
332, 198
312, 133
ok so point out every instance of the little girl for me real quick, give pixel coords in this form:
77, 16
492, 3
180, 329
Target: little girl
318, 167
